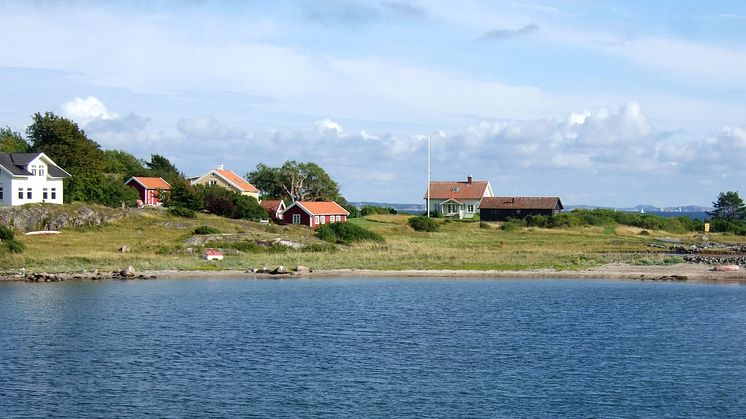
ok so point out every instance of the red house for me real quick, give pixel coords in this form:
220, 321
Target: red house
273, 208
149, 188
314, 214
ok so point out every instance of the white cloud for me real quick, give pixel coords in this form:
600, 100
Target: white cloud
83, 111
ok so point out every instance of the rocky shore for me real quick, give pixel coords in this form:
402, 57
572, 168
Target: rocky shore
621, 271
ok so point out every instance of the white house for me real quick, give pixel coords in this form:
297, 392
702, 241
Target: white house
27, 178
457, 198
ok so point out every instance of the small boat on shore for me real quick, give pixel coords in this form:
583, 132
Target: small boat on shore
42, 232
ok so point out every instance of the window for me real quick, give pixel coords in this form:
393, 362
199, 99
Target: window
33, 170
315, 219
28, 193
212, 182
470, 208
54, 193
2, 196
20, 193
455, 189
41, 170
296, 218
45, 194
339, 218
323, 219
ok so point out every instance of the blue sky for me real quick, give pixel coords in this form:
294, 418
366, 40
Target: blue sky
599, 102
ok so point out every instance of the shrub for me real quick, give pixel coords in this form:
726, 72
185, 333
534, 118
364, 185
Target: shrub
206, 230
513, 224
422, 223
6, 233
346, 233
484, 225
372, 209
182, 212
14, 246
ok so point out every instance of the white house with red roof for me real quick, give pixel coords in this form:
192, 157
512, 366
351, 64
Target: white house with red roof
274, 208
314, 213
458, 198
227, 179
149, 188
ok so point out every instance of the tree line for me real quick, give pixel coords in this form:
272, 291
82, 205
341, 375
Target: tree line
98, 175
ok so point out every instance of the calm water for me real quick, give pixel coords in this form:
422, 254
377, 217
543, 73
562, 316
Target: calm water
373, 347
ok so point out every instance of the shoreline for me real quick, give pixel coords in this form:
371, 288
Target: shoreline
617, 271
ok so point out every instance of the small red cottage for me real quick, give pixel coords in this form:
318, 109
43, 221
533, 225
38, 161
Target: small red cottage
273, 208
149, 188
314, 214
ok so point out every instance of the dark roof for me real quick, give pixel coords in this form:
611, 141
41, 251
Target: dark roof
521, 202
457, 190
16, 164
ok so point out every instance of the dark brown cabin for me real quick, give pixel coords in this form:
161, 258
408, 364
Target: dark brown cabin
500, 208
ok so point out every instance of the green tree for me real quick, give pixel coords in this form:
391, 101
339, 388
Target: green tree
12, 142
729, 206
160, 166
296, 182
64, 142
123, 163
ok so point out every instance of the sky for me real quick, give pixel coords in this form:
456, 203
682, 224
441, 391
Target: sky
614, 103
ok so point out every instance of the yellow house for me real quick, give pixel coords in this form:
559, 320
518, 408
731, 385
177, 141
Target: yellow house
227, 179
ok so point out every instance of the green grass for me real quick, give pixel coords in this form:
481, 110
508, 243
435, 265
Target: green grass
158, 240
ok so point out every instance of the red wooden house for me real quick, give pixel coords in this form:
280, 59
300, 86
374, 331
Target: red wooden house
314, 214
149, 188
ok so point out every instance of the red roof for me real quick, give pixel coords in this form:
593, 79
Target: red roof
457, 190
212, 252
271, 205
151, 182
521, 202
322, 207
237, 180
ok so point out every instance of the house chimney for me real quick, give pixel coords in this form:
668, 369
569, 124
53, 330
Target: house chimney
512, 200
469, 179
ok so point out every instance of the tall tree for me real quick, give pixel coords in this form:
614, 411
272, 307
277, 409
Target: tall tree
296, 182
65, 143
160, 166
123, 163
729, 206
12, 142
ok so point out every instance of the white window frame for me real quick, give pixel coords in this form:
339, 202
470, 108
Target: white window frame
20, 193
54, 193
339, 218
470, 208
323, 219
296, 218
41, 170
2, 192
33, 170
29, 193
45, 194
212, 182
315, 219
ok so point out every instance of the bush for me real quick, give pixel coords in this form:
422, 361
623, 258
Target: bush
513, 224
422, 223
182, 212
206, 230
372, 209
14, 246
484, 225
346, 233
720, 225
6, 233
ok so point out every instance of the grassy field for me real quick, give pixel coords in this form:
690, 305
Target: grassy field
159, 241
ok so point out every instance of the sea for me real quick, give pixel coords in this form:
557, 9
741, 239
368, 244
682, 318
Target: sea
372, 347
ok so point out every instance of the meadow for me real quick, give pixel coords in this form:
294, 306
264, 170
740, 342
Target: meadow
159, 241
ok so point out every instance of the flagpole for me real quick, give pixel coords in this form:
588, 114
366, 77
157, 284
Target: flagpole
428, 177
